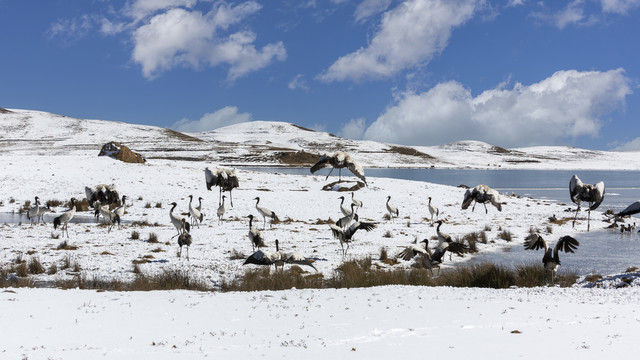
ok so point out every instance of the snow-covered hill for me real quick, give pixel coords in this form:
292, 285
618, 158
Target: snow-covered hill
263, 143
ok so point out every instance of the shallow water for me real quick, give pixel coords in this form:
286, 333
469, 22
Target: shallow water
600, 252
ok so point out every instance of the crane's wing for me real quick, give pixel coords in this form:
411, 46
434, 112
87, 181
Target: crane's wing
411, 251
356, 169
357, 226
336, 231
258, 258
321, 164
597, 195
297, 258
535, 242
631, 209
567, 244
209, 178
493, 196
467, 199
457, 248
575, 188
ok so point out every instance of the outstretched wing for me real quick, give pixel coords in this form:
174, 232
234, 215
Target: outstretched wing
597, 195
321, 164
457, 248
356, 169
631, 209
575, 188
567, 244
209, 178
297, 258
535, 242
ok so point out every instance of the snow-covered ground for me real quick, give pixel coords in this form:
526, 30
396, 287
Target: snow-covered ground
56, 157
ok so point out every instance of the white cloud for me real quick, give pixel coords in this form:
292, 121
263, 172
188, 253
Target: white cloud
180, 37
619, 6
567, 105
515, 3
140, 9
298, 82
71, 30
368, 8
633, 145
354, 129
226, 116
572, 14
409, 35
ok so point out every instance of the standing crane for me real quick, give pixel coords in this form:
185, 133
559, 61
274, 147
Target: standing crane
481, 194
63, 220
346, 210
433, 210
593, 194
176, 220
551, 260
265, 213
392, 210
37, 212
194, 213
339, 160
184, 239
254, 235
355, 201
345, 236
221, 210
121, 209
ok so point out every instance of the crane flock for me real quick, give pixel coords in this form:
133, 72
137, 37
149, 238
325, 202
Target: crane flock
343, 230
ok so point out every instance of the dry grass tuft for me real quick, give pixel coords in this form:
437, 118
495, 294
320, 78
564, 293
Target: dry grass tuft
505, 235
34, 266
65, 246
153, 238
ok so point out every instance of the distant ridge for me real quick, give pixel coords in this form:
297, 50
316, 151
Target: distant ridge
272, 143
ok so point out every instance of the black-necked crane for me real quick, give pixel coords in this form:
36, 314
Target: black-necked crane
346, 236
176, 220
446, 243
63, 220
344, 221
426, 257
346, 210
591, 193
121, 209
339, 160
254, 235
392, 210
265, 213
551, 260
199, 207
225, 179
109, 217
433, 210
278, 258
481, 194
195, 214
355, 201
221, 210
37, 211
184, 239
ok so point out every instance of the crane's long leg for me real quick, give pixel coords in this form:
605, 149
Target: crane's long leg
588, 218
485, 208
575, 217
474, 205
330, 171
231, 198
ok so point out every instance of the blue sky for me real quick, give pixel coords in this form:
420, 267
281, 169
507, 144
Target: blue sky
417, 72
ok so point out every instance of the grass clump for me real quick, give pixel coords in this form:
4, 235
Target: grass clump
505, 235
135, 235
65, 246
153, 238
34, 266
236, 255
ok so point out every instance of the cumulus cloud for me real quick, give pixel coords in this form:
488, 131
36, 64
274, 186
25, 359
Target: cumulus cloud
354, 129
171, 33
180, 37
633, 145
368, 8
409, 35
567, 105
226, 116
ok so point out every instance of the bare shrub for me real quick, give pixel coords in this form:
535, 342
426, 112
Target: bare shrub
34, 266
